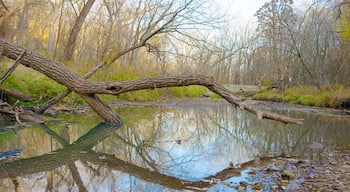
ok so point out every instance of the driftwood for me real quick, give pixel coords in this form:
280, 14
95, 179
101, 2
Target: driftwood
88, 90
16, 94
19, 114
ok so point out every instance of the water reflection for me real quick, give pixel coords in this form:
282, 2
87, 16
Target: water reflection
156, 149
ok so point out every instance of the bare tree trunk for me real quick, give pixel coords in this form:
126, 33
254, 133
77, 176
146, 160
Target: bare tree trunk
21, 24
69, 50
63, 76
88, 90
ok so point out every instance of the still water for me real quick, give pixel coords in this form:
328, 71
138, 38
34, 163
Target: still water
157, 149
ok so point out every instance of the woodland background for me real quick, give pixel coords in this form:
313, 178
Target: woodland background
143, 38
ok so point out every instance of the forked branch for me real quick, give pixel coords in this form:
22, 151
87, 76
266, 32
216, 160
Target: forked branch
88, 90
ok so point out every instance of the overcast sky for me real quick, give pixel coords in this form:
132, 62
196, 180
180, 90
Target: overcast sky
243, 10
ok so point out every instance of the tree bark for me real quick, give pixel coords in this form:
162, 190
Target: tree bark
69, 50
88, 90
63, 76
16, 94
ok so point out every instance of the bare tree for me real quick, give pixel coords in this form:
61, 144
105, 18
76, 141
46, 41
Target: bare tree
88, 90
169, 18
270, 17
73, 35
153, 19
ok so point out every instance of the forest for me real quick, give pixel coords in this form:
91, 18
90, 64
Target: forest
291, 45
130, 40
83, 61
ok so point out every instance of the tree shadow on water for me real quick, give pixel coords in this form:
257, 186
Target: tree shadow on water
80, 152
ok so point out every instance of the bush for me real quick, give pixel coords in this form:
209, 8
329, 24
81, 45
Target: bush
307, 100
188, 91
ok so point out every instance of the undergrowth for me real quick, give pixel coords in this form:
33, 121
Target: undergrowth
43, 88
327, 96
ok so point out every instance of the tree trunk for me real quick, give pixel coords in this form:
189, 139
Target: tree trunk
88, 90
73, 36
63, 76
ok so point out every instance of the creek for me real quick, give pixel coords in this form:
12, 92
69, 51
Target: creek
170, 148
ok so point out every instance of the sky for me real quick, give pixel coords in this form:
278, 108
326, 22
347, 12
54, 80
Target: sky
243, 10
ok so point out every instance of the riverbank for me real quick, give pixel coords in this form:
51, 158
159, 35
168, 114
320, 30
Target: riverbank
330, 171
335, 96
327, 170
209, 102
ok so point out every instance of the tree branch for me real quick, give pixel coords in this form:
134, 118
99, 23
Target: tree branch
13, 67
116, 88
88, 90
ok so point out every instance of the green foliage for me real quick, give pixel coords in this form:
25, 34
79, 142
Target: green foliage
327, 96
154, 94
292, 98
307, 100
37, 86
43, 88
344, 28
215, 96
270, 95
303, 90
141, 95
188, 91
324, 99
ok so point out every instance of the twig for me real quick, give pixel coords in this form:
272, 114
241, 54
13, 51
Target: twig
13, 67
3, 4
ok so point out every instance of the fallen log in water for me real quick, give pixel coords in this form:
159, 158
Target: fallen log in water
88, 90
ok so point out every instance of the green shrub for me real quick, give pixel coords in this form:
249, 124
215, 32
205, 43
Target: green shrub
307, 100
215, 96
187, 91
270, 95
292, 98
323, 99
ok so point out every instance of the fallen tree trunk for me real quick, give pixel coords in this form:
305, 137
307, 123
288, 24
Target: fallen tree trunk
19, 114
16, 94
62, 75
88, 90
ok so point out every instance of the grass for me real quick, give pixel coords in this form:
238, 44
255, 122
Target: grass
35, 85
327, 96
43, 88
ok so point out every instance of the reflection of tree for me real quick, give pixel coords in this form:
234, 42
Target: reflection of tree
81, 150
143, 149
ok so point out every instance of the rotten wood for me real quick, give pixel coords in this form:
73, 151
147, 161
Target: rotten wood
88, 90
19, 114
